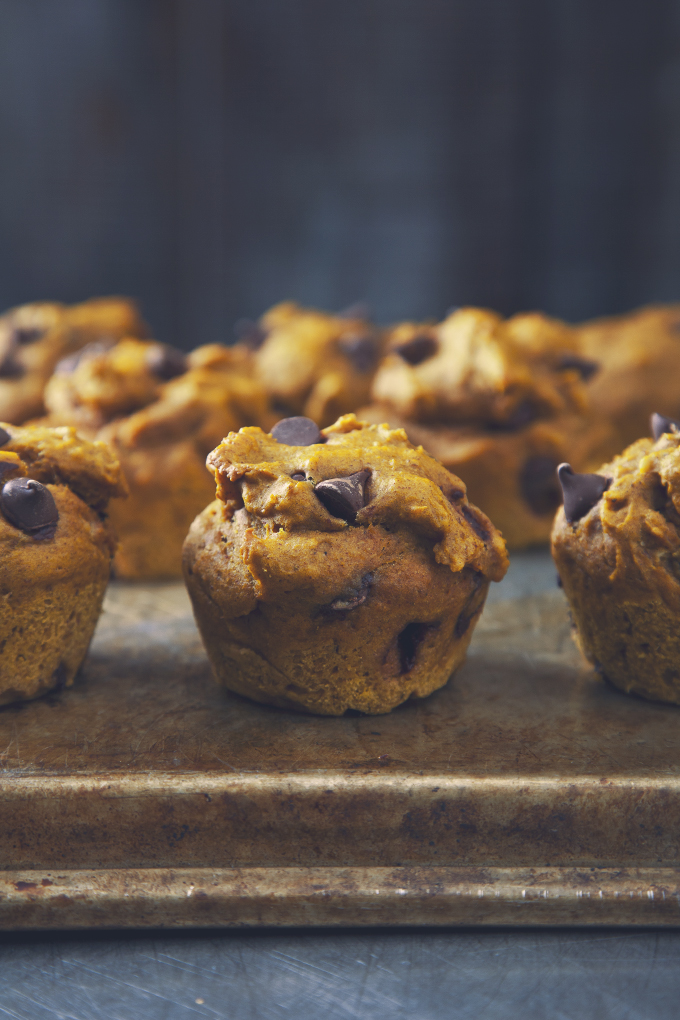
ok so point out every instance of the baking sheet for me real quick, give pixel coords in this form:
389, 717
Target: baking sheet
527, 791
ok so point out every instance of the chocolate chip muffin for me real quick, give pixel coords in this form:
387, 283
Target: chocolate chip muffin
315, 364
476, 368
162, 412
337, 569
639, 355
33, 338
56, 549
616, 543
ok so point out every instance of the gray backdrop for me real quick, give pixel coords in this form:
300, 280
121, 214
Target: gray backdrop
214, 156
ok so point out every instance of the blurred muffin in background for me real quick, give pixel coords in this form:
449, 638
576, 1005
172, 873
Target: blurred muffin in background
498, 402
35, 337
162, 412
313, 363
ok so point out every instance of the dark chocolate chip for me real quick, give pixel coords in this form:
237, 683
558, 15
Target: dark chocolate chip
418, 349
476, 525
409, 641
352, 599
29, 505
343, 497
27, 335
584, 366
298, 476
297, 431
10, 368
661, 425
581, 492
166, 362
523, 414
360, 349
4, 437
539, 485
358, 310
250, 333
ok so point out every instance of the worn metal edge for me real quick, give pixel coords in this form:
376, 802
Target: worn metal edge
258, 897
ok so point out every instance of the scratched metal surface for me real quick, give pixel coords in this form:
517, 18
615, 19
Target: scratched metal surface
353, 975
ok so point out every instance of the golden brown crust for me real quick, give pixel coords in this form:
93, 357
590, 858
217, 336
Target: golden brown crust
317, 364
301, 608
620, 568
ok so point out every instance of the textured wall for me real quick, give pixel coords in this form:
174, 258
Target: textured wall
214, 156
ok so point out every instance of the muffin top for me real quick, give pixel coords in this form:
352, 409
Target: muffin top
42, 470
476, 368
316, 364
34, 337
300, 479
624, 520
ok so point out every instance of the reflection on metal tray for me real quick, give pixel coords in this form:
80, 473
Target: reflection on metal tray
525, 792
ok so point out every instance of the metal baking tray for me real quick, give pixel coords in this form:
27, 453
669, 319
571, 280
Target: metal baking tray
527, 791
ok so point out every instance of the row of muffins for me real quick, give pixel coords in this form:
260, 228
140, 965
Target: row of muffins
499, 402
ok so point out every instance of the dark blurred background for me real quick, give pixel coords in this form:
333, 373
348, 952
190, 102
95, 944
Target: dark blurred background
211, 157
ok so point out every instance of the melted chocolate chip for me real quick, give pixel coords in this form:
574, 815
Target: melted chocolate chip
584, 366
4, 437
539, 486
29, 505
359, 310
297, 431
361, 350
409, 641
418, 349
661, 425
343, 497
298, 476
250, 333
351, 600
166, 362
27, 335
581, 492
476, 525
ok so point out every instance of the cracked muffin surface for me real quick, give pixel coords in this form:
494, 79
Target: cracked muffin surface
337, 569
56, 549
616, 544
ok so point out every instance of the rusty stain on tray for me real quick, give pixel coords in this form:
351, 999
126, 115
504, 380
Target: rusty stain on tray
525, 792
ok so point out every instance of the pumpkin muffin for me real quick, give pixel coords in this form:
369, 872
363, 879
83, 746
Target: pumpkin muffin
56, 552
33, 339
162, 412
315, 364
337, 569
616, 543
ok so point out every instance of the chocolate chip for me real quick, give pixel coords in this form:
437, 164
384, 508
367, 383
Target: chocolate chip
584, 366
409, 641
69, 364
351, 600
298, 476
166, 362
661, 425
581, 492
539, 486
474, 523
360, 349
343, 497
359, 310
297, 431
27, 335
4, 437
523, 414
418, 349
250, 333
29, 505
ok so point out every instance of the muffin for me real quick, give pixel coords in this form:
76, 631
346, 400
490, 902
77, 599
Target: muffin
33, 338
162, 412
57, 548
616, 543
639, 355
315, 364
336, 569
